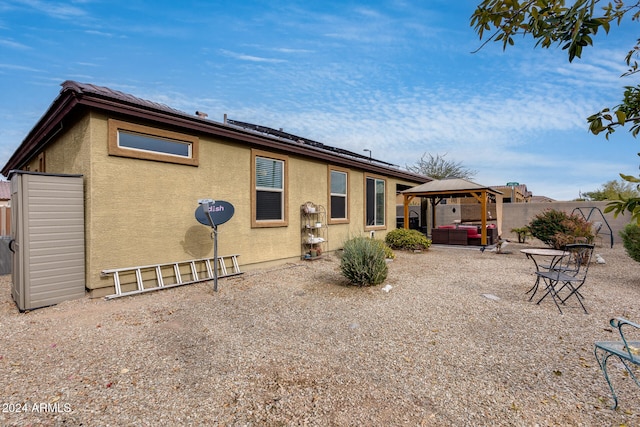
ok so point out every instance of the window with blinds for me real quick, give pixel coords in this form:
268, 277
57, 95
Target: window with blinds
338, 196
269, 198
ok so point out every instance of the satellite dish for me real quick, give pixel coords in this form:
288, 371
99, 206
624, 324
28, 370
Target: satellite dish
219, 210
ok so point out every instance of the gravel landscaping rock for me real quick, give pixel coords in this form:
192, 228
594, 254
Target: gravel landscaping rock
296, 345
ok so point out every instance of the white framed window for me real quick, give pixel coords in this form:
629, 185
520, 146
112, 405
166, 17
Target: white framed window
269, 194
338, 195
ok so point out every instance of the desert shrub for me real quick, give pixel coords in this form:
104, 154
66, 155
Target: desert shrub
363, 262
631, 240
522, 233
401, 238
557, 228
388, 252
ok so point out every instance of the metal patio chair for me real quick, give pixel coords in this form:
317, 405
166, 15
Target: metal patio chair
570, 277
628, 352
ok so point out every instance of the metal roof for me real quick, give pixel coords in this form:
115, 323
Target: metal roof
75, 97
449, 186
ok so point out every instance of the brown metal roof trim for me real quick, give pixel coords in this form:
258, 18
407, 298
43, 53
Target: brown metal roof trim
76, 95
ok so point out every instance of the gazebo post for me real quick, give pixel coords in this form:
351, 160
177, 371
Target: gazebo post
407, 199
482, 198
434, 203
483, 208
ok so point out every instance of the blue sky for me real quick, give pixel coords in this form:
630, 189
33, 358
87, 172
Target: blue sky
395, 77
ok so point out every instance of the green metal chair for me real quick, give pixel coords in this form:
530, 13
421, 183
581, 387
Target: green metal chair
628, 352
570, 277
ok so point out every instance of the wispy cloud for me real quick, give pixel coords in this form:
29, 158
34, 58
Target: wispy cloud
54, 9
13, 44
395, 77
250, 58
100, 33
16, 67
291, 50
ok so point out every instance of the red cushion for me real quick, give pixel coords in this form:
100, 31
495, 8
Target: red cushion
446, 226
471, 232
474, 236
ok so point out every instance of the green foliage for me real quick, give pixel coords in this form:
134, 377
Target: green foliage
557, 229
572, 26
627, 203
631, 240
363, 262
549, 22
522, 232
439, 168
401, 238
388, 252
612, 190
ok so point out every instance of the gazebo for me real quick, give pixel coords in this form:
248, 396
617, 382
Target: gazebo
440, 189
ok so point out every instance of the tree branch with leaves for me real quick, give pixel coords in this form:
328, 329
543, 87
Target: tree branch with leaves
572, 27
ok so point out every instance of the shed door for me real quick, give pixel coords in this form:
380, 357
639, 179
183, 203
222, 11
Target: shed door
17, 290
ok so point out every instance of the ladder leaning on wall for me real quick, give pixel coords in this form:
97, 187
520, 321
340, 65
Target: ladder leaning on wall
154, 277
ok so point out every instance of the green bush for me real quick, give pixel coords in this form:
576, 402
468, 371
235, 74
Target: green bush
363, 262
557, 228
401, 238
631, 240
388, 253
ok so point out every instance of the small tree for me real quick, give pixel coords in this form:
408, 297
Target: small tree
437, 167
522, 233
612, 190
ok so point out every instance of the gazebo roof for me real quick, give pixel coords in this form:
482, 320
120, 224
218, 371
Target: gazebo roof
450, 186
440, 189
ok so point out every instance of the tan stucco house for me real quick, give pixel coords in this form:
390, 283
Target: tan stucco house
146, 165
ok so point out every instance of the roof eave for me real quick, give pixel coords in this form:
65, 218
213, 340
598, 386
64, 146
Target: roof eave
48, 125
73, 95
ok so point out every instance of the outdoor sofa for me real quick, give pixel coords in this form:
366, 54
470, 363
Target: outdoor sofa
455, 234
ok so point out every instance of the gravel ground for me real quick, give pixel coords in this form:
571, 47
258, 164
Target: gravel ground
296, 346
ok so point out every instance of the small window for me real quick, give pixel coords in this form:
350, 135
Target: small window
143, 142
338, 196
269, 199
41, 163
153, 144
375, 202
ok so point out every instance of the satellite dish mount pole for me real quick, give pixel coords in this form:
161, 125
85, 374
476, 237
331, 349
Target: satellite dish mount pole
206, 207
